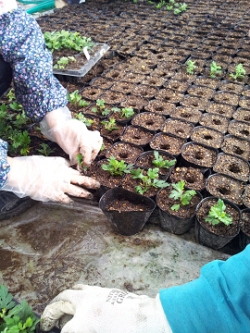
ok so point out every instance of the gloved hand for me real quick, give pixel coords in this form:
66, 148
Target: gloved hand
46, 178
71, 135
104, 310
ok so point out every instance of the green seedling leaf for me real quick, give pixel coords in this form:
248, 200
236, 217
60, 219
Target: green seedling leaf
190, 66
240, 72
115, 167
179, 193
215, 69
217, 214
159, 162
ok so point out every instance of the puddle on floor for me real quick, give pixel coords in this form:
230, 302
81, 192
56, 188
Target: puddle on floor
51, 247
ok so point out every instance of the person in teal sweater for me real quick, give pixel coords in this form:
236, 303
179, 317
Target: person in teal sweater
216, 302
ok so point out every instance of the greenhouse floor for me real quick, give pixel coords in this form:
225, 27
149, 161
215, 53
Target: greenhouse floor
51, 247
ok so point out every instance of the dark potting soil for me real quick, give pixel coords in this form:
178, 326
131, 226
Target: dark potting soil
149, 121
246, 196
136, 135
236, 146
124, 151
193, 177
245, 223
123, 205
199, 155
207, 136
219, 229
178, 127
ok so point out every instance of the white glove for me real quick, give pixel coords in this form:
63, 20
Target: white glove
103, 310
46, 178
71, 135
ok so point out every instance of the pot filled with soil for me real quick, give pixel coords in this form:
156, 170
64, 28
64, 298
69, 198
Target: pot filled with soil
244, 239
207, 136
220, 109
187, 114
236, 146
225, 187
241, 129
110, 129
215, 121
177, 207
123, 115
197, 155
156, 158
232, 166
137, 135
177, 127
160, 107
193, 177
126, 211
246, 196
124, 151
167, 142
135, 102
217, 222
148, 120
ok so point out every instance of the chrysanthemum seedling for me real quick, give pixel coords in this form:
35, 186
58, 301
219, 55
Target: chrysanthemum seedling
87, 121
45, 149
217, 214
110, 125
76, 99
215, 69
148, 180
64, 61
124, 112
101, 108
159, 162
191, 66
116, 167
179, 193
240, 72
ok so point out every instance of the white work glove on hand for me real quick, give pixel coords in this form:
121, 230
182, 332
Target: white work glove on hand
46, 178
71, 135
103, 310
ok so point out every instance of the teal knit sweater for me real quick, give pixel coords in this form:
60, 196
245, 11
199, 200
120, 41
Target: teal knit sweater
217, 302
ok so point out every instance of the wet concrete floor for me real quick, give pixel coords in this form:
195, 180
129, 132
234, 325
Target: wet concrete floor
51, 247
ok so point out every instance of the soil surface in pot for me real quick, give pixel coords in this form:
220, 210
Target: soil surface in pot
165, 203
193, 177
245, 223
219, 229
168, 143
187, 114
123, 205
207, 136
160, 107
246, 196
236, 146
225, 187
104, 177
148, 120
232, 166
182, 129
215, 121
199, 155
124, 151
221, 109
240, 129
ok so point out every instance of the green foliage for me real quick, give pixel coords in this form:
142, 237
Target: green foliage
215, 69
101, 108
124, 112
160, 4
177, 8
183, 196
110, 125
45, 149
148, 180
217, 214
115, 167
57, 40
159, 162
190, 66
64, 61
76, 99
240, 72
87, 121
15, 318
11, 95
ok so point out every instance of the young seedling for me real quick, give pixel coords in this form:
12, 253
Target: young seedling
115, 167
161, 4
215, 69
170, 6
217, 214
240, 72
11, 95
148, 180
183, 196
87, 121
190, 66
182, 7
124, 112
15, 318
100, 107
45, 149
64, 61
76, 99
159, 162
79, 160
110, 125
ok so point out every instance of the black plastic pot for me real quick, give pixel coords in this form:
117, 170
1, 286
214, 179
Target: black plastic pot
175, 224
126, 223
208, 238
244, 238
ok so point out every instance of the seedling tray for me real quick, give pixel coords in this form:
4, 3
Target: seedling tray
99, 50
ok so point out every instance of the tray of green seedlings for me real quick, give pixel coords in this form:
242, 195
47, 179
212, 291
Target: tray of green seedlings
73, 54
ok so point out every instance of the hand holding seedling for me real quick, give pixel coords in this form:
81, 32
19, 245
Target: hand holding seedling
47, 179
71, 135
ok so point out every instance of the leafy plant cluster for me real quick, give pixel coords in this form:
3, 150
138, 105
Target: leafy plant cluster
215, 70
177, 8
76, 99
64, 61
57, 40
15, 318
159, 162
181, 195
115, 167
217, 214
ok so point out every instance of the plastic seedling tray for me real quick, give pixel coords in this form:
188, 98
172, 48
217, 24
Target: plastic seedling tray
99, 50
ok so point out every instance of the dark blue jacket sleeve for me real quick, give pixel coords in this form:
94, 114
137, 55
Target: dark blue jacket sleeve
217, 302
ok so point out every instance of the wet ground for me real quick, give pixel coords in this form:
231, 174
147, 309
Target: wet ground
51, 247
